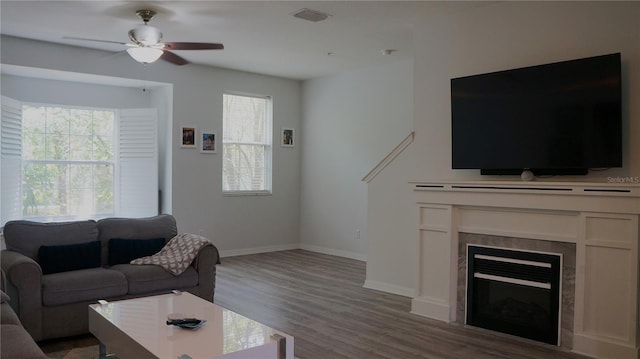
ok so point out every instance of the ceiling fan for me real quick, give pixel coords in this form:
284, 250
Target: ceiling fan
147, 48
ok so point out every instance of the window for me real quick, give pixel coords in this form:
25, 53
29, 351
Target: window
68, 162
65, 163
246, 144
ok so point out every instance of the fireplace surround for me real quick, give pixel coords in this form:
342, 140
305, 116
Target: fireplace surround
599, 220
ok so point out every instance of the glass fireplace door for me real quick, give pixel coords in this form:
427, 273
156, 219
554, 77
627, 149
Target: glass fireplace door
514, 292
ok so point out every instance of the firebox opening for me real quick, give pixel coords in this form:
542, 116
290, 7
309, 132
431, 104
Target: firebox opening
514, 292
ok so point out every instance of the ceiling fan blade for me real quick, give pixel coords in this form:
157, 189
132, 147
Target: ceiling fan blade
85, 39
193, 46
173, 58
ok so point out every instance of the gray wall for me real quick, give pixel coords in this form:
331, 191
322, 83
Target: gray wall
236, 224
51, 91
351, 122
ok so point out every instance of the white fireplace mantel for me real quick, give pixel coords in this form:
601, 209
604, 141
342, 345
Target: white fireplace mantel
600, 218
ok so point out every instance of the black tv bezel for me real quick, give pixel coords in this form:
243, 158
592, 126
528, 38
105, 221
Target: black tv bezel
535, 171
615, 163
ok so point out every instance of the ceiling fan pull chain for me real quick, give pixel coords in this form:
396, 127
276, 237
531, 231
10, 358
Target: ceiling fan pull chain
143, 84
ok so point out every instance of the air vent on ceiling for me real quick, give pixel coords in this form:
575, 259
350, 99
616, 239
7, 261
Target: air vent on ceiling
310, 15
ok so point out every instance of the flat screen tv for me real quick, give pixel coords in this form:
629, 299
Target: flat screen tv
552, 119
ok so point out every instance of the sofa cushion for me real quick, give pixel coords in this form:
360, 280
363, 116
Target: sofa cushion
151, 278
7, 315
26, 237
161, 226
68, 257
123, 251
82, 285
15, 342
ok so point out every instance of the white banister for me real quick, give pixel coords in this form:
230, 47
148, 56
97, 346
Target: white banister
389, 158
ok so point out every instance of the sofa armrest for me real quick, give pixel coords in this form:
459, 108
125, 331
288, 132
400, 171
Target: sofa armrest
24, 286
205, 264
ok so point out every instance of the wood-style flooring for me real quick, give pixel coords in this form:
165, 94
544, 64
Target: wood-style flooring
320, 300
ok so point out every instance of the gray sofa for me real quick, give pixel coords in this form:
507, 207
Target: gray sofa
15, 342
55, 270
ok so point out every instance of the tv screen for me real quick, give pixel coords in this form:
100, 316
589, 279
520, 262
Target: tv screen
559, 118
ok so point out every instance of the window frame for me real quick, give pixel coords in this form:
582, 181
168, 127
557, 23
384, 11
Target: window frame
114, 163
136, 155
268, 147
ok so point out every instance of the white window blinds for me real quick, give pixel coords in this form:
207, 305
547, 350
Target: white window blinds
11, 166
138, 161
246, 144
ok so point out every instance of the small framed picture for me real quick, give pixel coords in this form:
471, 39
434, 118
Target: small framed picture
208, 144
287, 137
188, 136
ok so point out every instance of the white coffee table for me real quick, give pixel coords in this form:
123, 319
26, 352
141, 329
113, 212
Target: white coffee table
137, 329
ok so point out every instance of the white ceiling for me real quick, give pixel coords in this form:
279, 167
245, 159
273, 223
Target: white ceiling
259, 36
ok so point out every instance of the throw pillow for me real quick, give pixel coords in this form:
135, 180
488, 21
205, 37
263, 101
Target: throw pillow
123, 250
68, 257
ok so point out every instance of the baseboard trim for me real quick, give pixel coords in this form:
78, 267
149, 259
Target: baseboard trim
603, 347
257, 250
434, 308
334, 252
287, 247
389, 288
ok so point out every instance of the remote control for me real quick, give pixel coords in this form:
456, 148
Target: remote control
183, 321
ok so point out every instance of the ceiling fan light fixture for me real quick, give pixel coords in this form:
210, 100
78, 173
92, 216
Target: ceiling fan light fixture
146, 48
145, 55
145, 35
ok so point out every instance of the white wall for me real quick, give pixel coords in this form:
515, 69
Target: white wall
515, 34
351, 122
236, 224
481, 39
392, 226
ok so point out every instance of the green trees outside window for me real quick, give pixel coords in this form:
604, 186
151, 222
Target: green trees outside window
68, 162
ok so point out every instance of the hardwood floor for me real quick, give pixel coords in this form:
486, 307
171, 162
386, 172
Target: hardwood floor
319, 299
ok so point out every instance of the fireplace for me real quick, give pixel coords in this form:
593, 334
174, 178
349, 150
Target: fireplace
595, 226
514, 292
567, 274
